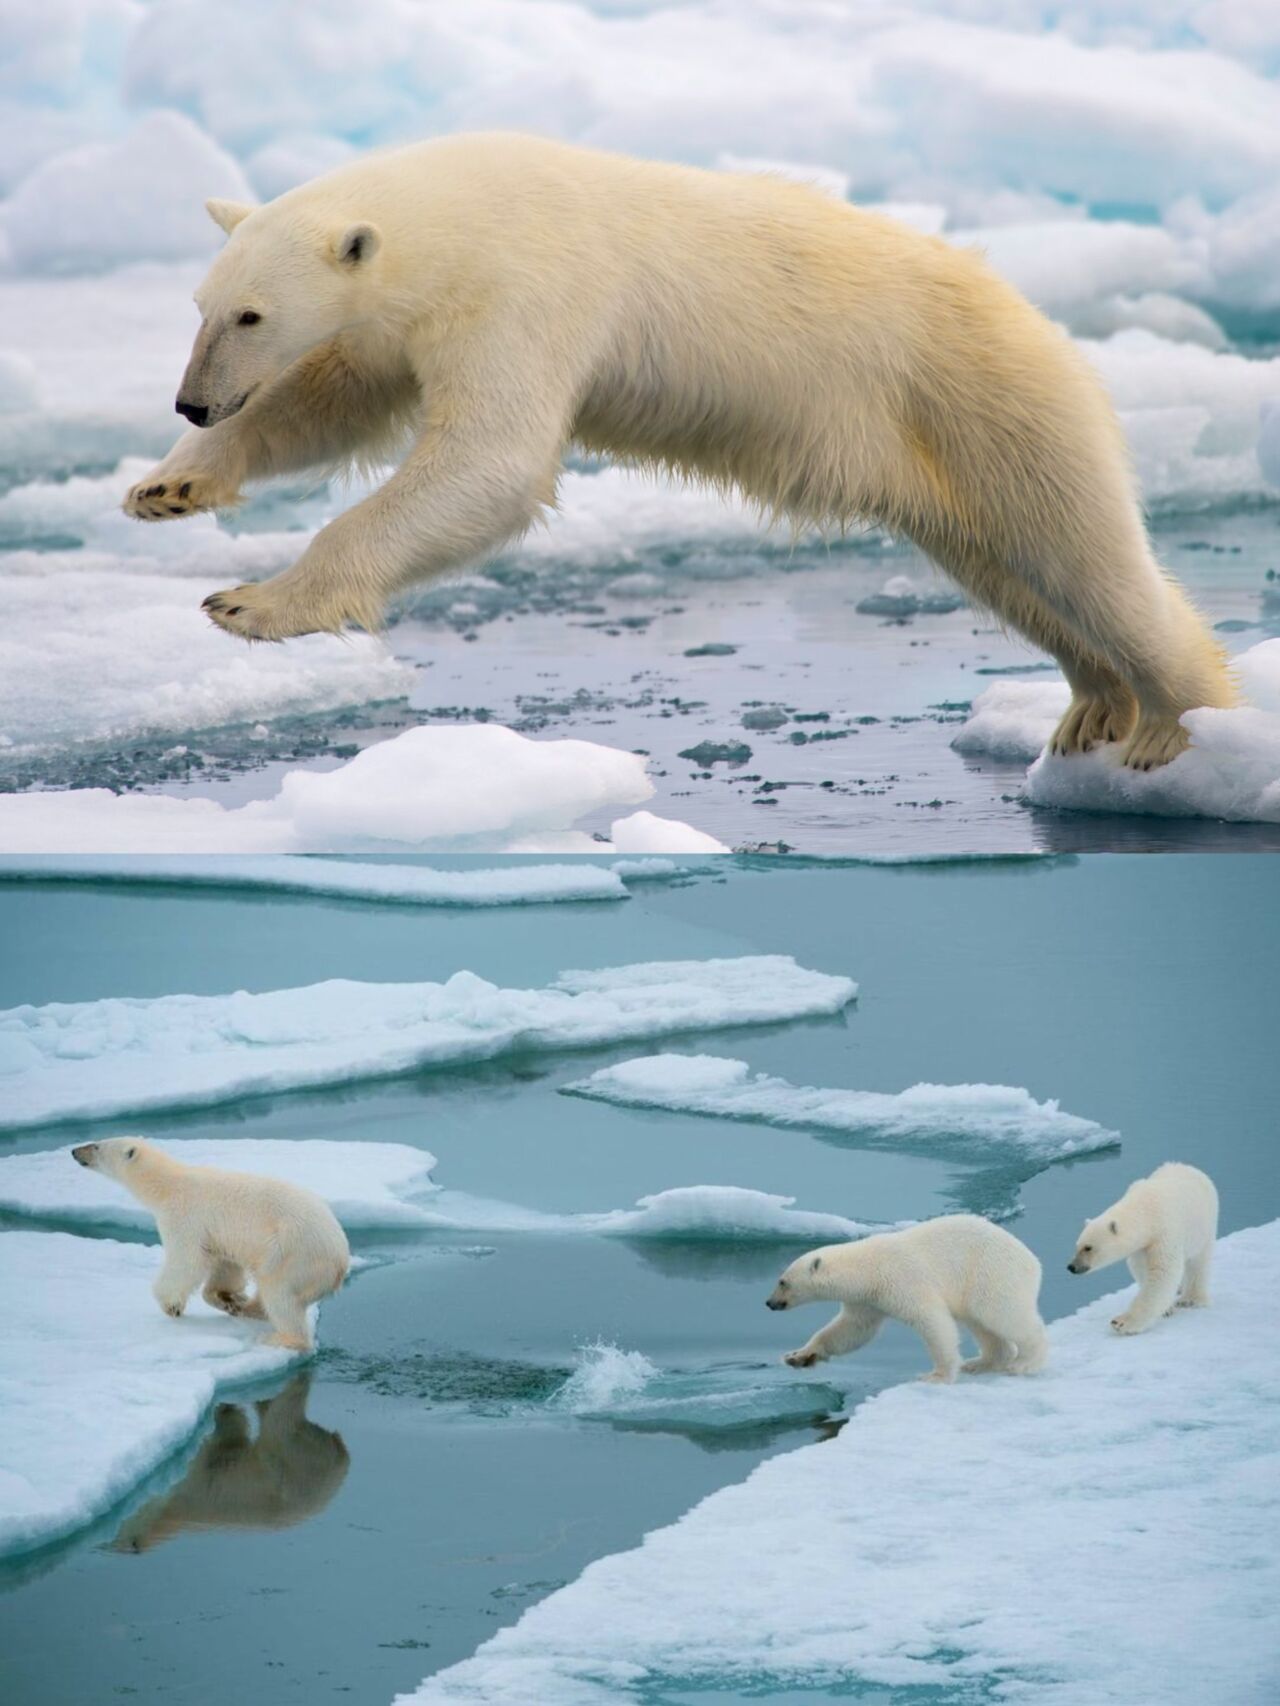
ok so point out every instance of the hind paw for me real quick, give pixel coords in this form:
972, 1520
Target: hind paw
1156, 742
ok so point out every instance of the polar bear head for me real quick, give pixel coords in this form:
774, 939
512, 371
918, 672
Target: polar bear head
287, 280
808, 1279
117, 1157
1110, 1238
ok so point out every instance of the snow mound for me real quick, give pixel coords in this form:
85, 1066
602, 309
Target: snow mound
367, 1185
965, 1119
97, 1386
724, 1211
467, 788
99, 1059
408, 885
1163, 1443
1231, 770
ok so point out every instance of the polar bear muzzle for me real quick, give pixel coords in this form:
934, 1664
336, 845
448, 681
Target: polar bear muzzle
86, 1154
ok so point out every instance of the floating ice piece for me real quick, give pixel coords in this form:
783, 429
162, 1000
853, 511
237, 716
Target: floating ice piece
1231, 770
470, 788
98, 1059
97, 1386
965, 1120
724, 1211
409, 885
367, 1185
95, 656
900, 596
1163, 1443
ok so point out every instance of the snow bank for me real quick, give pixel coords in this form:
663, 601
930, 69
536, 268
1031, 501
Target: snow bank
367, 1185
1107, 1537
408, 885
466, 788
99, 1059
1231, 770
97, 1387
963, 1119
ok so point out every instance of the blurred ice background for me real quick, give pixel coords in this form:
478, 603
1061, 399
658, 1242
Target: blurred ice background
1116, 160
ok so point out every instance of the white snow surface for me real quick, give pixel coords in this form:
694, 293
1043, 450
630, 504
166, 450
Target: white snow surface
969, 1116
98, 1059
1101, 1533
452, 788
97, 1385
367, 1185
410, 885
1230, 771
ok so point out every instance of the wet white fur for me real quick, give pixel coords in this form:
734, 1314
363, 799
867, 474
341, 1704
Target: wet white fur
1164, 1226
217, 1227
490, 300
958, 1270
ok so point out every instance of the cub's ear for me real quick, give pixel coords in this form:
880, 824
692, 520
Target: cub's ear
1114, 1229
227, 214
357, 245
130, 1152
815, 1264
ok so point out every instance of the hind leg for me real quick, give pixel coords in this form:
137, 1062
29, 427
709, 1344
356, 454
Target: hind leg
1194, 1292
287, 1314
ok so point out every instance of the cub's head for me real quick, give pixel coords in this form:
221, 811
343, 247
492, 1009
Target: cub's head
285, 282
118, 1157
808, 1278
1102, 1242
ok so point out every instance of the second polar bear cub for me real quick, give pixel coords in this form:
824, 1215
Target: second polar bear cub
219, 1227
958, 1270
479, 304
1164, 1226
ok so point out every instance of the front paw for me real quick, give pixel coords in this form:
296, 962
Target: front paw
172, 1308
1123, 1325
800, 1359
168, 496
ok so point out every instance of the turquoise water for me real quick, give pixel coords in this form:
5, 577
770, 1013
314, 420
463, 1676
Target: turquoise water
1138, 992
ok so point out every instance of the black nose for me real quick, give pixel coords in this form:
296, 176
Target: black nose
770, 1304
196, 413
1072, 1268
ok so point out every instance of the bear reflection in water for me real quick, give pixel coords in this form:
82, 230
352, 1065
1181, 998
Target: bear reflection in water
286, 1472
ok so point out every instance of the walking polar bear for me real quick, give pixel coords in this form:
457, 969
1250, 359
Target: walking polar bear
219, 1227
488, 301
958, 1270
1164, 1226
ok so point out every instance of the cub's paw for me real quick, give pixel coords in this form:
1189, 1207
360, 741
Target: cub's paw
168, 497
1157, 741
231, 1302
939, 1377
287, 1342
174, 1309
1123, 1325
978, 1365
801, 1359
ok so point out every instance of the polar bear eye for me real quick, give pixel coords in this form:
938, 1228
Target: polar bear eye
1086, 1249
248, 318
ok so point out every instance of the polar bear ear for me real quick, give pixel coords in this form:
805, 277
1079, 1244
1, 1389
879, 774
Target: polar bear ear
130, 1152
227, 214
815, 1264
357, 245
1114, 1229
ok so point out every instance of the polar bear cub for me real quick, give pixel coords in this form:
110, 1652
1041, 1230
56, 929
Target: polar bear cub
957, 1270
1164, 1226
217, 1227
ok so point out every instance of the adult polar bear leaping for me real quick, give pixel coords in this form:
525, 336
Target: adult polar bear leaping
492, 299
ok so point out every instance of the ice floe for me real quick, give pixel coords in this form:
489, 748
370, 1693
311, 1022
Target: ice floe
367, 1185
1230, 771
97, 1386
355, 879
448, 789
1133, 1474
961, 1120
83, 1060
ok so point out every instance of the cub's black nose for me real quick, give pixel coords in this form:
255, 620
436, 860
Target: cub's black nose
1072, 1268
196, 413
770, 1304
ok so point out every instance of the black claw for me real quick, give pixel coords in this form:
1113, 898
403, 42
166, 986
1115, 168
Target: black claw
233, 610
176, 509
213, 602
184, 490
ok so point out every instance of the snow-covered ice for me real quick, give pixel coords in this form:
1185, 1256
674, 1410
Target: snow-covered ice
1102, 1532
354, 879
382, 1186
97, 1386
965, 1121
1230, 771
367, 1185
450, 789
98, 1059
